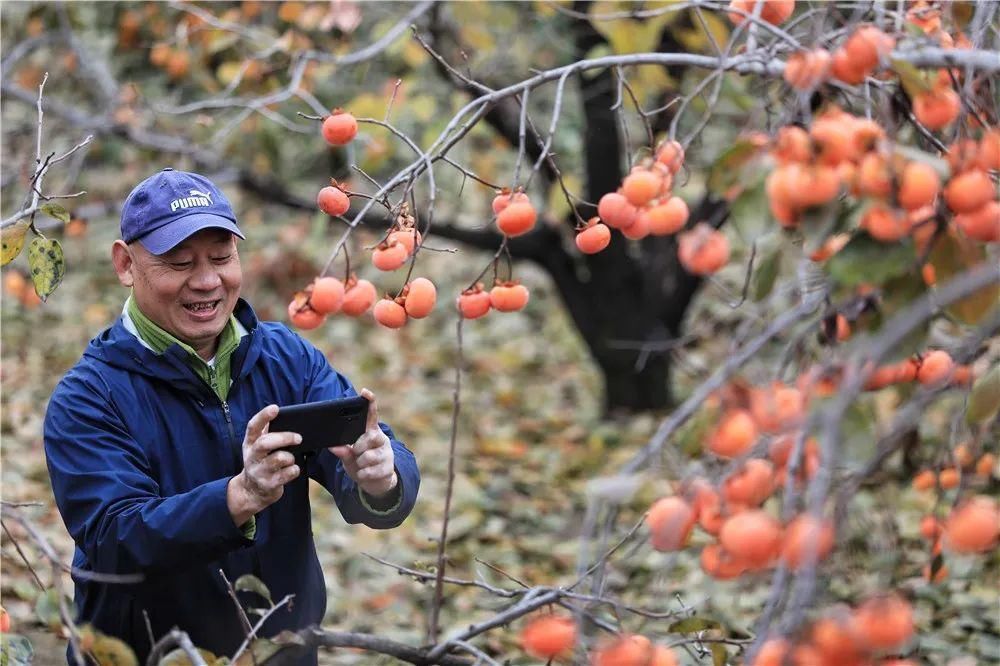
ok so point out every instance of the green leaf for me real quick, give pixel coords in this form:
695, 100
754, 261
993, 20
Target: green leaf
767, 272
179, 657
913, 80
866, 260
13, 241
746, 214
725, 171
719, 654
250, 583
56, 211
984, 400
692, 624
47, 609
47, 265
111, 651
15, 650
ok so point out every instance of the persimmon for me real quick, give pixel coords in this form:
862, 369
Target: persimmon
409, 238
639, 228
670, 521
969, 191
327, 295
985, 465
178, 64
302, 315
836, 642
792, 144
750, 485
517, 218
508, 296
776, 407
949, 478
981, 224
833, 137
671, 155
159, 54
867, 47
594, 237
773, 652
339, 128
702, 250
865, 134
389, 313
931, 528
919, 184
663, 656
886, 224
421, 295
973, 526
474, 302
815, 186
616, 211
389, 257
774, 12
805, 70
874, 178
359, 295
4, 621
734, 435
718, 564
780, 450
806, 539
505, 197
754, 537
667, 217
845, 70
626, 650
549, 636
936, 109
333, 201
988, 156
924, 480
883, 622
935, 367
962, 155
640, 186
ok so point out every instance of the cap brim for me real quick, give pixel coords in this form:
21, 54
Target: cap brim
167, 237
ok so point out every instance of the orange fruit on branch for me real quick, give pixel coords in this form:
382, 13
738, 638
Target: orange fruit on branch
702, 250
594, 238
339, 128
327, 295
421, 295
359, 295
517, 218
508, 296
549, 636
389, 313
670, 521
333, 201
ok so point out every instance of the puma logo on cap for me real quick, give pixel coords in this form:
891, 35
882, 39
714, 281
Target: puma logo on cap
197, 198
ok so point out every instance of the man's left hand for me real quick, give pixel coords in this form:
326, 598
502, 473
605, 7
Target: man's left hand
370, 461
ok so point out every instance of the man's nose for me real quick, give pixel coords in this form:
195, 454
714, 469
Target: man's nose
205, 277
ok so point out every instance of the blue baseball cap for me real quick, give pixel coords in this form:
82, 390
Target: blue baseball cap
171, 205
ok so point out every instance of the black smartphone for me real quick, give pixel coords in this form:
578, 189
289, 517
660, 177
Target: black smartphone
323, 424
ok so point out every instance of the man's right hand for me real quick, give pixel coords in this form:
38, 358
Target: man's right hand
265, 469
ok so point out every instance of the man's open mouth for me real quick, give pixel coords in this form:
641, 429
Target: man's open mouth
203, 306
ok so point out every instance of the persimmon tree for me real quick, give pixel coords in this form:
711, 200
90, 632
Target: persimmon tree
825, 171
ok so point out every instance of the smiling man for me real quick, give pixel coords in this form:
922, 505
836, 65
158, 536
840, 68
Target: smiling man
158, 446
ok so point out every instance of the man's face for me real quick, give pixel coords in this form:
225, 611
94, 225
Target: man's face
189, 291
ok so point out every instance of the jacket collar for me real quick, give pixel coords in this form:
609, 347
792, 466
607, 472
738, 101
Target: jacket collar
120, 348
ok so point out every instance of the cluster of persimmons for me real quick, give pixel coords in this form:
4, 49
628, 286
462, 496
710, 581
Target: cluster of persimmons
515, 215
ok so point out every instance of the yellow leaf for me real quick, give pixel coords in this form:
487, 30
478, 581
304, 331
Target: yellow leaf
47, 265
13, 241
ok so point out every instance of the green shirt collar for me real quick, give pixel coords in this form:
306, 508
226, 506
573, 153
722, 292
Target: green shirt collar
216, 373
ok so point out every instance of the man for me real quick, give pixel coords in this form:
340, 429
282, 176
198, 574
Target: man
158, 446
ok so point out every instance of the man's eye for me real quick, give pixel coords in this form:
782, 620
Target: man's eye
222, 259
181, 264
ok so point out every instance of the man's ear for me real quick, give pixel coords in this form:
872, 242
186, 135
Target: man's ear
124, 263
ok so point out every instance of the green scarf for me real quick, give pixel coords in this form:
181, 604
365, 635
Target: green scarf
160, 340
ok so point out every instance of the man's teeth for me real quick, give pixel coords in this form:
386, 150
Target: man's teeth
199, 307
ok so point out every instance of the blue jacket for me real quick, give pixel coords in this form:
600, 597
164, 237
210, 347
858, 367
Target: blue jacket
140, 450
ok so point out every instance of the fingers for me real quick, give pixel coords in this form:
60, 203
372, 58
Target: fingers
258, 423
372, 409
272, 441
376, 472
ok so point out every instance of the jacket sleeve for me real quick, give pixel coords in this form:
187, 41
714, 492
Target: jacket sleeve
109, 500
326, 468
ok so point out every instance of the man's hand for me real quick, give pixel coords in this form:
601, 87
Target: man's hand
370, 461
265, 469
